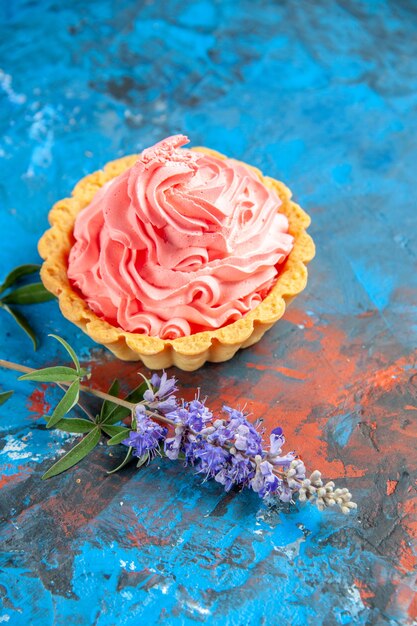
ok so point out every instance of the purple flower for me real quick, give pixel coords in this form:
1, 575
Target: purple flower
163, 386
237, 472
167, 406
160, 397
218, 433
179, 415
194, 415
147, 436
243, 434
265, 481
276, 440
234, 414
212, 459
282, 461
172, 445
247, 440
274, 455
283, 492
192, 447
199, 415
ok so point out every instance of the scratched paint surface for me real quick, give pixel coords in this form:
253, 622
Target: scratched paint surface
322, 95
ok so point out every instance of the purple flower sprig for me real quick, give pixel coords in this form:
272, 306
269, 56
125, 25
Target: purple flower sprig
227, 448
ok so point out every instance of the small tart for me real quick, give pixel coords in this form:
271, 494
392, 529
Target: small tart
190, 352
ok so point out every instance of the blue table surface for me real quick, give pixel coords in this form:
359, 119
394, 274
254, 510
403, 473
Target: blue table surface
323, 96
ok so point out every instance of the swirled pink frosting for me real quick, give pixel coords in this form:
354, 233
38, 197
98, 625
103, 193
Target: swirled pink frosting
179, 243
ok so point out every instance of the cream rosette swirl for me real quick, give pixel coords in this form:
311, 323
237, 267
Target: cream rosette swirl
180, 243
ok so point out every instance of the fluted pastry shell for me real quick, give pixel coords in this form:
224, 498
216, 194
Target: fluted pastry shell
191, 352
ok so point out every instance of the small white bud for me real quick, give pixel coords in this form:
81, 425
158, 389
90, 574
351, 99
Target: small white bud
302, 495
351, 505
316, 475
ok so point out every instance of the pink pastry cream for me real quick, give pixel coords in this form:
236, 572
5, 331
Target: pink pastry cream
179, 243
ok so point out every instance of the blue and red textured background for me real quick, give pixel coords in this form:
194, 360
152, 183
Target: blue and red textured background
322, 95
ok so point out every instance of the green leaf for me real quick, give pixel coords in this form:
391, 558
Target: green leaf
70, 350
117, 415
5, 395
65, 404
16, 273
28, 294
137, 394
57, 374
111, 431
23, 323
76, 454
107, 407
119, 437
120, 412
143, 459
75, 425
125, 461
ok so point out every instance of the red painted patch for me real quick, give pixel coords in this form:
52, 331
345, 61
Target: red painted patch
138, 537
412, 609
408, 560
407, 598
391, 486
36, 402
16, 477
286, 371
365, 592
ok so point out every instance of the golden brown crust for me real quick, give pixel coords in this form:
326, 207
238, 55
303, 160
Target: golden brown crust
187, 353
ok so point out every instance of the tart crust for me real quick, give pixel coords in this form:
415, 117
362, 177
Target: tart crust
187, 353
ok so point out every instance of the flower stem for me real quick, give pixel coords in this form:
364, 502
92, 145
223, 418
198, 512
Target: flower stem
95, 392
8, 365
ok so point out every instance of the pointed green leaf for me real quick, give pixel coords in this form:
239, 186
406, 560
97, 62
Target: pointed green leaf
121, 435
125, 461
107, 407
120, 412
117, 414
111, 431
75, 425
68, 348
16, 273
57, 374
5, 395
137, 394
28, 294
23, 323
66, 403
143, 459
77, 453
